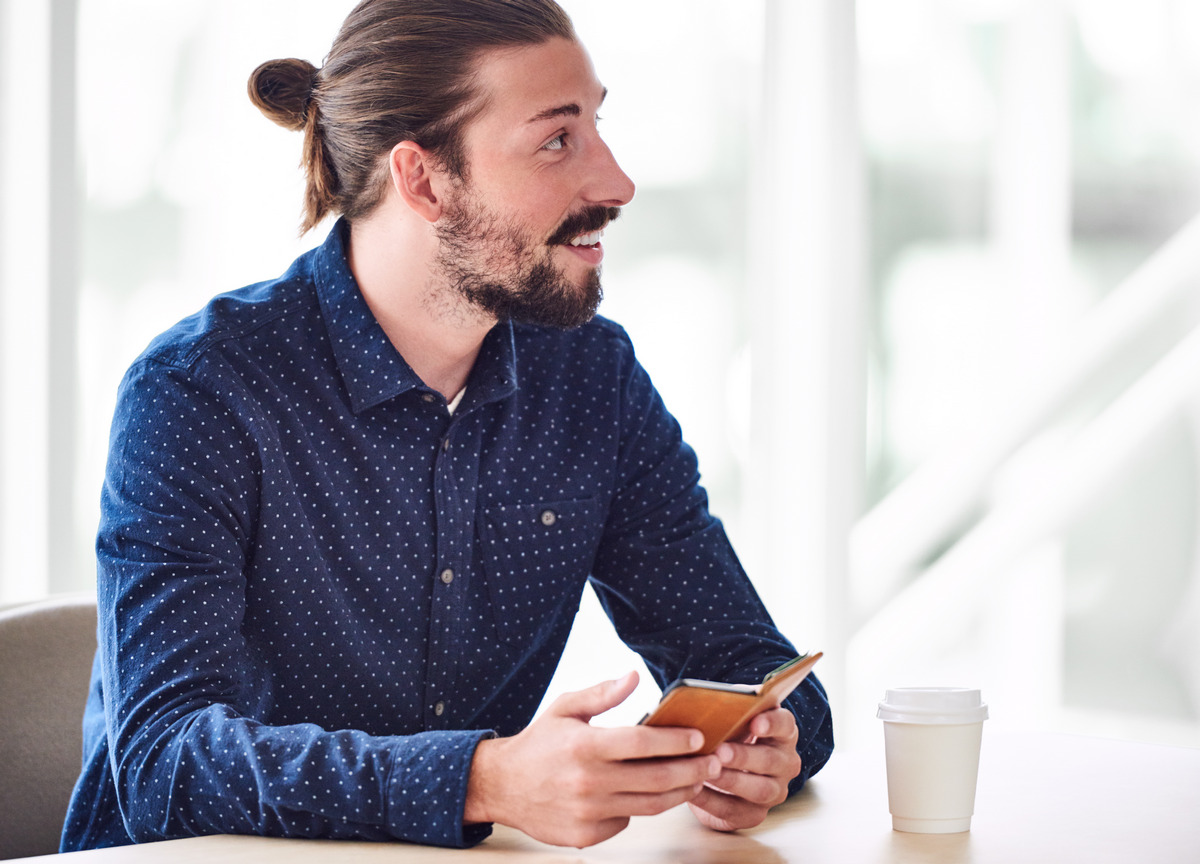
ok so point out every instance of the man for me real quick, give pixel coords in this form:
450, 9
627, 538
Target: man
349, 513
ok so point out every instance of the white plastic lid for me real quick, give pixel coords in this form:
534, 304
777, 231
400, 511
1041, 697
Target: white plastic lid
932, 705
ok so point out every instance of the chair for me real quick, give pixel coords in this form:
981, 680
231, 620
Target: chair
46, 650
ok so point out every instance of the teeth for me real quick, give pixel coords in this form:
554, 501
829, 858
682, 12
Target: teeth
587, 239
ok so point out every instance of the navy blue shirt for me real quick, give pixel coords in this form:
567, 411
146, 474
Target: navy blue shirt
319, 588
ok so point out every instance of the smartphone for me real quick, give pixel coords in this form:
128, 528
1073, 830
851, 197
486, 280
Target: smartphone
723, 711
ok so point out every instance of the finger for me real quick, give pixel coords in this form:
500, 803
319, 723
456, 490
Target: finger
646, 742
642, 804
776, 723
586, 704
723, 812
604, 806
663, 775
767, 757
589, 834
760, 789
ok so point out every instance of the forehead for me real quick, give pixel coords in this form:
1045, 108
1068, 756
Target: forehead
531, 81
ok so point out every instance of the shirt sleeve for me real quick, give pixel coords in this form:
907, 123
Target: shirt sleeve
670, 581
186, 697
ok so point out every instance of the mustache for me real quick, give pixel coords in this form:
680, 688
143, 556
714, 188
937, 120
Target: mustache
584, 222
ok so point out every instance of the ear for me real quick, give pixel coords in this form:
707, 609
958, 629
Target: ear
416, 180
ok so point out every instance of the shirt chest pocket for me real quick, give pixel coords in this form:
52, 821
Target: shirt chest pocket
536, 557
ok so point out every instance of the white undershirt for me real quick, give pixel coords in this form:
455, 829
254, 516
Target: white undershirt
454, 402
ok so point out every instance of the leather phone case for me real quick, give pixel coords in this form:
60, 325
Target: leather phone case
723, 711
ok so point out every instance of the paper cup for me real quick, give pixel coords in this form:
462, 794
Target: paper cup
931, 740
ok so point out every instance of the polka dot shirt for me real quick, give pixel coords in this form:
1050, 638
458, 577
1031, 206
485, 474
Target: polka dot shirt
319, 588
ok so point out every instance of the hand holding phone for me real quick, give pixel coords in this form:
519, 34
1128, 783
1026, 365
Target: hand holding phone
723, 711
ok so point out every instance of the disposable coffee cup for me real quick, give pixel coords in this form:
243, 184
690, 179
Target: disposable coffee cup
931, 739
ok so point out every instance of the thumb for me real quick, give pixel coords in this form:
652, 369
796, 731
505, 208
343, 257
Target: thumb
586, 704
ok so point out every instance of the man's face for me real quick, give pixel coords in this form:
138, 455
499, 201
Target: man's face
519, 237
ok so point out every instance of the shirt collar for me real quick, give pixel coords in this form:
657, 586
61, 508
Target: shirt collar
371, 367
494, 375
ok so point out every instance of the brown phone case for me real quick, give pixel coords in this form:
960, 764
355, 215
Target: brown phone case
723, 711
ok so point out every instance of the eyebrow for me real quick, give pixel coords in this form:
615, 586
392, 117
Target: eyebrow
569, 110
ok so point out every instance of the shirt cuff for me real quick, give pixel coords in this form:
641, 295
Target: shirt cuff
428, 789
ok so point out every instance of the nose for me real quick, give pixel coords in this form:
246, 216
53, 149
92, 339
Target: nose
610, 187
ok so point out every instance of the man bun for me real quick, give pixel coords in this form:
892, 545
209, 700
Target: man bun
399, 70
282, 90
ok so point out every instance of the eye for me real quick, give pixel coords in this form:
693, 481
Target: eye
558, 142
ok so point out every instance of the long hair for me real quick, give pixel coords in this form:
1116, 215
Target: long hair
399, 70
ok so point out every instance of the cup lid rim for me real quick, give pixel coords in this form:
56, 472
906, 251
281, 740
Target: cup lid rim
933, 705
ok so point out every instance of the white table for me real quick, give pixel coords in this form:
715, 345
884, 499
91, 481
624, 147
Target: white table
1041, 798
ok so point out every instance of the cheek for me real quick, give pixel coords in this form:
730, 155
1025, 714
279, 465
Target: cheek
536, 203
541, 201
544, 211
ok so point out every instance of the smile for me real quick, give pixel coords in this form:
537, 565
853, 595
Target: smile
590, 239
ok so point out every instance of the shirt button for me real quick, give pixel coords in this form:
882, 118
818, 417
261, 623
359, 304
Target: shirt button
447, 576
428, 397
549, 517
445, 445
439, 708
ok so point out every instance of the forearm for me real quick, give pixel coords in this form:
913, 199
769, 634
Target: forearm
814, 721
216, 772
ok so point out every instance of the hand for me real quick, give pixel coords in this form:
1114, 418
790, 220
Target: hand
566, 782
754, 776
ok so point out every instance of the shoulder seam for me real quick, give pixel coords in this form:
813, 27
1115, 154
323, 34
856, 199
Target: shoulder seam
188, 357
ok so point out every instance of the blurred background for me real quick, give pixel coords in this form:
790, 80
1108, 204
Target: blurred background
920, 280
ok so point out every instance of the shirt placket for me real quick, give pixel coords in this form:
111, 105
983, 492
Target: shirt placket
455, 463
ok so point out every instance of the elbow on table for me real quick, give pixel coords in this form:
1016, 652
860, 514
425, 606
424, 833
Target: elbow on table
146, 803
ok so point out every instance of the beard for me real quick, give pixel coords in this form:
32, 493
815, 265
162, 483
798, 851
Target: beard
501, 270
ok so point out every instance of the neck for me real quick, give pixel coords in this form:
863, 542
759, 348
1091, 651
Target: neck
437, 332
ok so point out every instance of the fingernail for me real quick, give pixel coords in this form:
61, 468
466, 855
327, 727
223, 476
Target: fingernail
724, 753
696, 741
714, 769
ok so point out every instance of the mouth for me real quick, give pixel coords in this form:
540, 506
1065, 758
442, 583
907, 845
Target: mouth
592, 239
586, 248
585, 228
